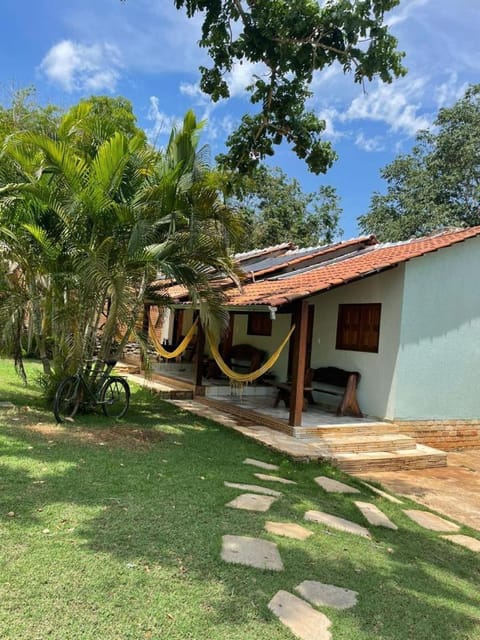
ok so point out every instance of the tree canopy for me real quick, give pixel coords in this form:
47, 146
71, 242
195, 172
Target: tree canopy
275, 209
437, 185
293, 39
87, 222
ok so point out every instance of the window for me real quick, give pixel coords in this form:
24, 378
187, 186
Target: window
259, 324
358, 327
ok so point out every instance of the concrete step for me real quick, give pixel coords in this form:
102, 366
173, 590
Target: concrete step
365, 443
419, 457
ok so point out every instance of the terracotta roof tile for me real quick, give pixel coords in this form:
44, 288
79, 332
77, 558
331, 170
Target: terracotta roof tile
281, 290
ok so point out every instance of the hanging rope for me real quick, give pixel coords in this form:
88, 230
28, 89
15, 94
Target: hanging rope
253, 375
169, 355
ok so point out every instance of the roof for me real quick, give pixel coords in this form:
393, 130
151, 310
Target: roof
277, 291
300, 273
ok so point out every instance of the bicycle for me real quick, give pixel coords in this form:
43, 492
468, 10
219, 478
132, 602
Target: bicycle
112, 393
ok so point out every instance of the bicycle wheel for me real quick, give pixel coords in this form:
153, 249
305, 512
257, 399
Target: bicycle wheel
115, 397
67, 399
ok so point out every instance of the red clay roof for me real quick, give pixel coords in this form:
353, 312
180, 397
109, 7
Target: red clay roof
282, 290
276, 290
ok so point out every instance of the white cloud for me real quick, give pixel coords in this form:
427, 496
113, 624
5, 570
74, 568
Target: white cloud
153, 36
404, 12
374, 143
450, 91
394, 104
162, 122
329, 115
79, 67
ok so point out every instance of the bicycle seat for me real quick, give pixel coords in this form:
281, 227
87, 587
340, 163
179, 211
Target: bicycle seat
111, 362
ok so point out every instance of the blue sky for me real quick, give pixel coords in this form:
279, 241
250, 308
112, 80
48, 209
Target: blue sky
147, 51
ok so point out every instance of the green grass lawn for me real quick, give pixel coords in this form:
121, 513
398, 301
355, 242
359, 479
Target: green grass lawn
118, 526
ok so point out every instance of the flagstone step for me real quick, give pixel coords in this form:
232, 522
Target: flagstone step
365, 443
360, 429
420, 457
166, 391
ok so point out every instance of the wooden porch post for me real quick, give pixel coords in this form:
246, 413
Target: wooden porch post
199, 389
300, 318
145, 328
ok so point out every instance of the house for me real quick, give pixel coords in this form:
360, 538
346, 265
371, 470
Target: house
406, 316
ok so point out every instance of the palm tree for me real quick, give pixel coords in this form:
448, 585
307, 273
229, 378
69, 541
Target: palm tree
91, 225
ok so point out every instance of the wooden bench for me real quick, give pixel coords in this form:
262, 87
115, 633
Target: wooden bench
340, 383
284, 390
329, 380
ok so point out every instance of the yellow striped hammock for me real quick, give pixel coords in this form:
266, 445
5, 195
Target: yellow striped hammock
242, 378
169, 355
234, 376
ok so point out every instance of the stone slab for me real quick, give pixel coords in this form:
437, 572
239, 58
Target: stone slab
254, 488
383, 494
302, 620
334, 486
252, 552
264, 476
430, 520
252, 502
465, 541
288, 530
327, 595
5, 404
261, 464
337, 523
374, 515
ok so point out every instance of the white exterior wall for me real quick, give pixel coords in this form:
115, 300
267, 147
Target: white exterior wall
280, 328
376, 392
439, 356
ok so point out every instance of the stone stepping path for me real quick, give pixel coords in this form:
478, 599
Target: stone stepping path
261, 464
337, 523
255, 488
465, 541
288, 530
430, 521
264, 476
384, 494
303, 620
327, 595
334, 486
252, 502
251, 552
374, 516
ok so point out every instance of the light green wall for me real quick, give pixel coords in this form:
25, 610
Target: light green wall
439, 356
376, 392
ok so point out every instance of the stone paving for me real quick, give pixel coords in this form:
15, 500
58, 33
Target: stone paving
252, 552
334, 486
327, 595
453, 490
464, 541
288, 530
254, 488
302, 619
374, 516
261, 464
251, 502
383, 494
297, 613
268, 478
430, 520
337, 523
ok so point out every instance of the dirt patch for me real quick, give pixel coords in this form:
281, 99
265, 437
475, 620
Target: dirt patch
124, 437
